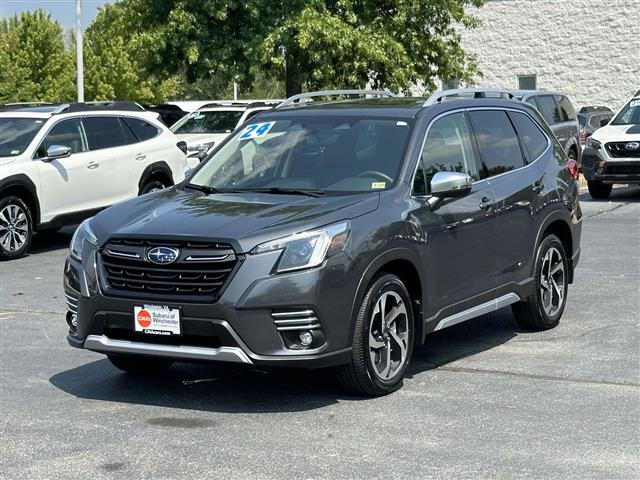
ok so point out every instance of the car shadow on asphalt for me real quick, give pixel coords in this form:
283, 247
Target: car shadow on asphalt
50, 241
630, 194
232, 389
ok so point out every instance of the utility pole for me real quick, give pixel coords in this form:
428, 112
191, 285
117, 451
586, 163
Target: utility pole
79, 58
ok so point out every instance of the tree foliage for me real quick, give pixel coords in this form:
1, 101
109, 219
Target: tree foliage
34, 65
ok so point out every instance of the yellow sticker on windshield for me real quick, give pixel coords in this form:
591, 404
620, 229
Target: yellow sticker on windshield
378, 184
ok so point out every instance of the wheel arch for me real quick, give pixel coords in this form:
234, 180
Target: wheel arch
401, 262
21, 186
156, 170
559, 226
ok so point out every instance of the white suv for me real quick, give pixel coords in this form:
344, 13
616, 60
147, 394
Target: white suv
61, 163
210, 124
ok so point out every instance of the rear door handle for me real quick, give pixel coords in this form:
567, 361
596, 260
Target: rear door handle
140, 157
486, 203
93, 165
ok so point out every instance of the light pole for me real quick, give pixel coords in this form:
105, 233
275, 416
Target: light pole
79, 59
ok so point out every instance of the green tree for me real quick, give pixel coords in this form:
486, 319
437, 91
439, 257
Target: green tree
308, 44
34, 65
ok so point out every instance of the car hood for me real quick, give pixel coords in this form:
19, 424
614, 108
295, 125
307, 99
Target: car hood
242, 219
198, 138
617, 133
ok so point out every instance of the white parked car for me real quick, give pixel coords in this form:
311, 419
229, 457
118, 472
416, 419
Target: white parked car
61, 163
209, 125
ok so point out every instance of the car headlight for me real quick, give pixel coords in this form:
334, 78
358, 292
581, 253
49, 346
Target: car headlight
593, 144
307, 249
82, 234
200, 150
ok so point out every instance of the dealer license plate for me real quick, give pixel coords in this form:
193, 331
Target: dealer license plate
157, 320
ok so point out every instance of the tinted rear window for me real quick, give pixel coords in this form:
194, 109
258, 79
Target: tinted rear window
547, 107
141, 129
533, 139
103, 132
497, 140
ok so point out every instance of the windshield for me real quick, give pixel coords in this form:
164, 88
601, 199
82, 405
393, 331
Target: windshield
629, 115
215, 121
16, 134
310, 153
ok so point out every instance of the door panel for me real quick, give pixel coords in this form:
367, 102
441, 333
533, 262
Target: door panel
460, 251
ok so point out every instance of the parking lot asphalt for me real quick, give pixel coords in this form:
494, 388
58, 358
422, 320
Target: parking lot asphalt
483, 399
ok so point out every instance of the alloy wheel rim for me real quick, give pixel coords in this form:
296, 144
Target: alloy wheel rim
14, 227
552, 282
388, 335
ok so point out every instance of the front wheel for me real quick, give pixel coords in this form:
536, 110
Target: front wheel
152, 186
16, 227
382, 339
139, 365
599, 190
543, 309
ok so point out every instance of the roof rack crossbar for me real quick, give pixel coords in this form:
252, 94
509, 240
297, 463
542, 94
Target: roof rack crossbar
303, 97
100, 105
477, 93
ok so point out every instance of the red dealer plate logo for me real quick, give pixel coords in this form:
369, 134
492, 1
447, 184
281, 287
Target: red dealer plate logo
144, 318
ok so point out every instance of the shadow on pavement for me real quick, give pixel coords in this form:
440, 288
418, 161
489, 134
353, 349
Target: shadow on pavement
231, 389
629, 194
50, 241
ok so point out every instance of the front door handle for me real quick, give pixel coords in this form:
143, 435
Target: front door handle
140, 157
486, 203
93, 165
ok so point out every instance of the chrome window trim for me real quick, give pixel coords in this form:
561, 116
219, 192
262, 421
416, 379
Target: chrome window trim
469, 109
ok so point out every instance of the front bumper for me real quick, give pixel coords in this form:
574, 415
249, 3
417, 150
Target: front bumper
244, 326
599, 167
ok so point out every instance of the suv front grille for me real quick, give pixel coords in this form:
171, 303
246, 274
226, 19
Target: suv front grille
199, 273
619, 150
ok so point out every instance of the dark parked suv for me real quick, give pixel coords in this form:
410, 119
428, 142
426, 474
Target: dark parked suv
334, 234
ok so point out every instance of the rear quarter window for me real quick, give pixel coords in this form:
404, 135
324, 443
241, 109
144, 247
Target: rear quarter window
532, 137
548, 109
142, 129
566, 112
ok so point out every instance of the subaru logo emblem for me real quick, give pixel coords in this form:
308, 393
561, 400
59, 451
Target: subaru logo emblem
162, 255
633, 146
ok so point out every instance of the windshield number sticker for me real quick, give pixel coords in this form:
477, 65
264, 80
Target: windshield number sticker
634, 103
376, 185
256, 130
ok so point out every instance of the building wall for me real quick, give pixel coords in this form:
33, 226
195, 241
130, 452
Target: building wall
589, 49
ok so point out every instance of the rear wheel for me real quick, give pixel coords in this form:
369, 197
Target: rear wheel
599, 190
16, 227
543, 309
152, 185
139, 365
382, 339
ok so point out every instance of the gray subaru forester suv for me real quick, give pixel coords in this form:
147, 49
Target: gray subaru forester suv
334, 234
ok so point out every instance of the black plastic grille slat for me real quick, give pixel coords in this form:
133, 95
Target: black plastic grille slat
197, 280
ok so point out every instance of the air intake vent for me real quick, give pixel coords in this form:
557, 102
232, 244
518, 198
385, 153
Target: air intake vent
72, 303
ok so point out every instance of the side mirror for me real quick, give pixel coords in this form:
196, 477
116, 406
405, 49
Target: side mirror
57, 151
448, 185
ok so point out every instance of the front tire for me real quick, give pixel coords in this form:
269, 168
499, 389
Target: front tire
543, 309
139, 365
16, 227
383, 339
599, 190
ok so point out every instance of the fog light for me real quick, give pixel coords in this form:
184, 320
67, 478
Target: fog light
306, 337
72, 321
599, 171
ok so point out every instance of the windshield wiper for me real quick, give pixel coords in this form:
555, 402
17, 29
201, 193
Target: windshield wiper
311, 192
209, 190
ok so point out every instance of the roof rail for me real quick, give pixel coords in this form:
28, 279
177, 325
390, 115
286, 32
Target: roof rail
20, 105
261, 103
457, 93
93, 106
304, 97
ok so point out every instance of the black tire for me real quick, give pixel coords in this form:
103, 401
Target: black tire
599, 190
361, 375
139, 364
16, 227
531, 313
151, 186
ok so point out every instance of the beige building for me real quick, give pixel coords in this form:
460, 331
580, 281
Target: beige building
588, 49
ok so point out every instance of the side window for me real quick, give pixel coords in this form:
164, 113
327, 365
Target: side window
534, 140
141, 129
565, 109
547, 107
67, 133
129, 137
103, 132
448, 148
499, 147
